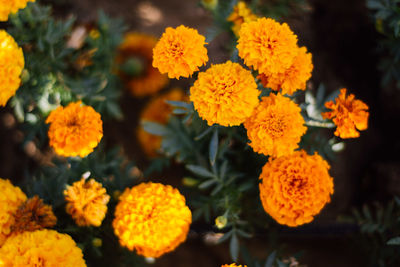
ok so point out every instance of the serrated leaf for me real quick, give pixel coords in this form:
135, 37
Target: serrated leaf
394, 241
270, 259
179, 104
207, 184
155, 128
213, 148
234, 247
201, 171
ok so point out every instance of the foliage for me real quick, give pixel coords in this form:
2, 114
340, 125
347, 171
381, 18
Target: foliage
379, 230
387, 22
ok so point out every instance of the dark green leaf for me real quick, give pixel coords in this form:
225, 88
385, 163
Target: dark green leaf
213, 148
201, 171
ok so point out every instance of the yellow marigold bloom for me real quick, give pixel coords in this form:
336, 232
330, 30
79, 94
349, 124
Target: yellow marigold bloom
33, 215
267, 46
86, 202
11, 197
151, 218
233, 265
140, 47
75, 130
11, 65
295, 188
348, 114
41, 248
240, 14
225, 94
8, 7
276, 126
294, 78
157, 110
180, 52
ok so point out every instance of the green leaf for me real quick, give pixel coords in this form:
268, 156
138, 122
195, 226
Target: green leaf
155, 128
201, 171
207, 183
213, 149
200, 136
394, 241
234, 247
179, 104
270, 259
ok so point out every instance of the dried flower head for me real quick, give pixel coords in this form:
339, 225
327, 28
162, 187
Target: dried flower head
348, 114
86, 202
157, 110
152, 219
11, 65
294, 78
33, 215
140, 46
180, 52
11, 197
295, 188
41, 248
225, 94
267, 46
276, 126
240, 14
8, 7
75, 130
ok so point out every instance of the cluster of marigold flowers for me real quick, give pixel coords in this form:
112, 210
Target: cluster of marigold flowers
152, 218
295, 186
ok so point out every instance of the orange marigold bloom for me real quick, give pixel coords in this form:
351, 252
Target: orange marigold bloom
295, 187
151, 218
86, 202
8, 7
180, 52
267, 46
294, 78
11, 65
225, 94
75, 130
33, 215
276, 126
140, 47
233, 265
348, 114
11, 197
41, 248
157, 110
240, 14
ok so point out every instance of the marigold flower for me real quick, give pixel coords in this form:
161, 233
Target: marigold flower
151, 218
11, 65
33, 215
157, 110
348, 114
86, 202
294, 78
295, 187
267, 46
240, 14
75, 130
233, 265
8, 7
180, 52
225, 94
140, 47
41, 248
11, 197
276, 126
